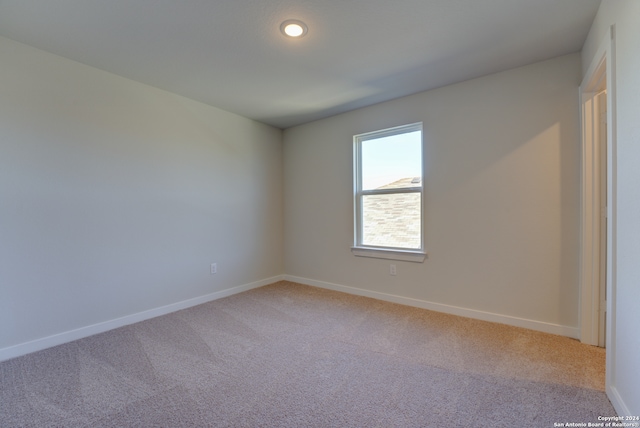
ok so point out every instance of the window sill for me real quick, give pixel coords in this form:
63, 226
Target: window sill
385, 253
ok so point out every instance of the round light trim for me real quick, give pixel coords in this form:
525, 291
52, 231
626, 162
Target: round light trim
293, 28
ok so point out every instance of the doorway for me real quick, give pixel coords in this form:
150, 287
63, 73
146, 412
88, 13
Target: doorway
597, 272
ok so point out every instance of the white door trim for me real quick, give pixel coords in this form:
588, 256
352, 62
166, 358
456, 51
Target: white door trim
591, 199
602, 66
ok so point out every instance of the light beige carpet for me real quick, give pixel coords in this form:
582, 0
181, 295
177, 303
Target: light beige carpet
288, 355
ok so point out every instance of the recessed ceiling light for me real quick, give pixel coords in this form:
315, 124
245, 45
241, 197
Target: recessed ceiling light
293, 28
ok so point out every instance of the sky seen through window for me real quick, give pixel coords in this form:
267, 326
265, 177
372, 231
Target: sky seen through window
389, 159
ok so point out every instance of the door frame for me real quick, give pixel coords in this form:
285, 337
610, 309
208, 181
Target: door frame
601, 72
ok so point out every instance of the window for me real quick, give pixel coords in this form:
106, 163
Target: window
388, 193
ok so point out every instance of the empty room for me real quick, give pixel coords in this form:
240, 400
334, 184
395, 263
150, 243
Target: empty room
247, 213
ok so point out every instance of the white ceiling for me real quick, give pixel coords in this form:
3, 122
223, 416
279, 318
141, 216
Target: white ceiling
231, 54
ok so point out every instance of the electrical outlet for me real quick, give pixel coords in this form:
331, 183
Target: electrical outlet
392, 270
214, 268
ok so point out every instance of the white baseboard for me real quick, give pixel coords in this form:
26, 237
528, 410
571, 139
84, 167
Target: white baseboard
70, 336
561, 330
618, 403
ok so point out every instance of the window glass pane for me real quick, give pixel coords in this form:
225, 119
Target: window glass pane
391, 220
392, 162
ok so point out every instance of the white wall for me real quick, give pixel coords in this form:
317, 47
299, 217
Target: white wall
115, 197
623, 376
502, 198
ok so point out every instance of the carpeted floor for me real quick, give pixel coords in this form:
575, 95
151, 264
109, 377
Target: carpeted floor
288, 355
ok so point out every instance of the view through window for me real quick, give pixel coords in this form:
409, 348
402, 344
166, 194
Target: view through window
388, 188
